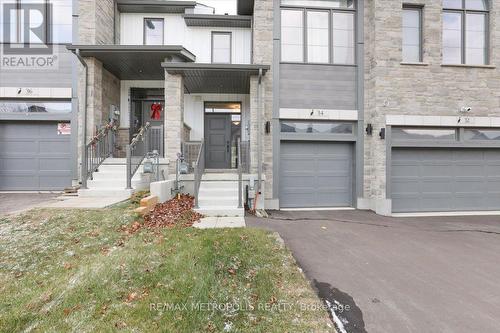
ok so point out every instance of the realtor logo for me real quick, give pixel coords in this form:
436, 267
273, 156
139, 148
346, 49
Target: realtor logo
27, 37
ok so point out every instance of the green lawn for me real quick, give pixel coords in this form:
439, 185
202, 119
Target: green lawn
75, 270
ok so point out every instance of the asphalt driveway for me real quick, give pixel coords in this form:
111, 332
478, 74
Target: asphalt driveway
399, 274
11, 203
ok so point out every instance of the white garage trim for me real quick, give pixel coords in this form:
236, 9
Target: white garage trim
438, 121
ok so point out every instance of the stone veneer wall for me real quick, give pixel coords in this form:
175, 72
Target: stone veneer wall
174, 117
96, 22
122, 140
262, 55
96, 26
427, 90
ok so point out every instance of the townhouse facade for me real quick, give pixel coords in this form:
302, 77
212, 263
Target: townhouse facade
38, 149
391, 106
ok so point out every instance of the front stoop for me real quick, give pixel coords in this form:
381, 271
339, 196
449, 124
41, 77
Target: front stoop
219, 198
111, 181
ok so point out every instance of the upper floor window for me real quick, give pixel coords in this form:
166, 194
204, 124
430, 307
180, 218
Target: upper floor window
153, 31
412, 34
36, 21
465, 32
347, 4
221, 47
319, 35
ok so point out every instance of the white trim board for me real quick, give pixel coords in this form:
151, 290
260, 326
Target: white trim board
33, 92
318, 114
455, 121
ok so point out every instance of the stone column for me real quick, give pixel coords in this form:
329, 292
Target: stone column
174, 117
263, 55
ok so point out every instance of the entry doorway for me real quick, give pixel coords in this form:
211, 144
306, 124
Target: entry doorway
222, 133
148, 105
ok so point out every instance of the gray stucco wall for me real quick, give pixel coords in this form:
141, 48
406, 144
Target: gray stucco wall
317, 86
429, 89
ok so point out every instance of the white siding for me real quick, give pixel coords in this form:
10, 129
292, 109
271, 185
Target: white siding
194, 109
195, 39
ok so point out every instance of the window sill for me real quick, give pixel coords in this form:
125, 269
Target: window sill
414, 63
469, 66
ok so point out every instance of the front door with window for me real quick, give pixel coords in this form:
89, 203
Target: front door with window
217, 141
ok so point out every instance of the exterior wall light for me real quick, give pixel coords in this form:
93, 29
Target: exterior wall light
369, 129
382, 134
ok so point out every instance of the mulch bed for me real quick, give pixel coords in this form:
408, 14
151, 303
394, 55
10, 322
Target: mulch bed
176, 212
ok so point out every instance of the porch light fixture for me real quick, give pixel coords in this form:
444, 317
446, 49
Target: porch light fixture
369, 129
268, 127
382, 133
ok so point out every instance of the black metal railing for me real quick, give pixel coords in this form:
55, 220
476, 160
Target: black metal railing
136, 151
199, 170
97, 150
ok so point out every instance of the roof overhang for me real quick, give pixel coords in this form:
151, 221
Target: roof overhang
245, 7
224, 21
216, 78
132, 62
154, 6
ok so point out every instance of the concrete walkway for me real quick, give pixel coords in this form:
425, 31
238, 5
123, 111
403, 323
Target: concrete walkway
17, 202
398, 275
87, 202
220, 222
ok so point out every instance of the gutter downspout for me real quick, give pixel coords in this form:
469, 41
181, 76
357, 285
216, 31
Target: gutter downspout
259, 136
84, 122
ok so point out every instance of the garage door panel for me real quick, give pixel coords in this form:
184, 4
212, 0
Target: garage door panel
8, 147
20, 182
55, 164
437, 186
18, 164
52, 147
434, 204
34, 157
315, 174
459, 179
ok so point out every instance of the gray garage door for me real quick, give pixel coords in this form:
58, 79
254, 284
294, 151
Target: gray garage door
315, 174
427, 180
33, 156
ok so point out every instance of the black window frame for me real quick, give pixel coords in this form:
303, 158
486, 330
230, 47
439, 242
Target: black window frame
304, 10
420, 9
463, 12
145, 29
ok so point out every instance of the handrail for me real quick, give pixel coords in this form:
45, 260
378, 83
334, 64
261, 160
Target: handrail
240, 177
138, 148
97, 150
199, 169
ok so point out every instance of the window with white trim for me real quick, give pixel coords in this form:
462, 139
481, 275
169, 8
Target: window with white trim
221, 47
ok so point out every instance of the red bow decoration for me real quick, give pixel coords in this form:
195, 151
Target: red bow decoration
156, 110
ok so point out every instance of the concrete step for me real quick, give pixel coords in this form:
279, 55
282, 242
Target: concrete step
109, 175
219, 177
107, 183
215, 202
218, 193
221, 211
218, 185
